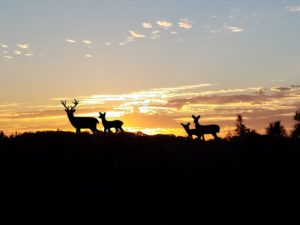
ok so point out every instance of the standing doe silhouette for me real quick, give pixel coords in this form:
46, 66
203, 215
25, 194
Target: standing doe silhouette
117, 124
212, 129
80, 122
191, 132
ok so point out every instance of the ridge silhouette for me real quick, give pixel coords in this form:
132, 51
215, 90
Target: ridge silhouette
80, 122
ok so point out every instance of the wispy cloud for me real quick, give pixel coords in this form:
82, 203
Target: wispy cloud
109, 43
87, 42
88, 56
23, 46
71, 41
29, 54
136, 34
164, 24
185, 24
295, 8
4, 46
155, 35
234, 29
17, 52
147, 25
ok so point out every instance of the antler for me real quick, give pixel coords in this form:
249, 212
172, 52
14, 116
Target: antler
75, 102
64, 103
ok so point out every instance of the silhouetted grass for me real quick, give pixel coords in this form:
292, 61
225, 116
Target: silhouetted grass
63, 178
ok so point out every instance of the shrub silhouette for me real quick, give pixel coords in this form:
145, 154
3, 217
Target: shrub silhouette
296, 130
241, 130
275, 129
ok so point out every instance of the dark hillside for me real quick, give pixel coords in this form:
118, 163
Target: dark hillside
62, 178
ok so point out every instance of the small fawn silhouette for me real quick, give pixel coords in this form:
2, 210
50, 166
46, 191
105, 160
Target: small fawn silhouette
80, 122
212, 129
117, 124
191, 132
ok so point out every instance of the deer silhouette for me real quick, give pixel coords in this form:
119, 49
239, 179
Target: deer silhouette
80, 122
212, 129
191, 132
117, 124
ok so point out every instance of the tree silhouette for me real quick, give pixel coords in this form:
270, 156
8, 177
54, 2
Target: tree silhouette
296, 131
241, 130
2, 135
275, 129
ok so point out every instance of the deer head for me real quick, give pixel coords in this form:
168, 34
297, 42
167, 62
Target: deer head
70, 109
102, 115
186, 125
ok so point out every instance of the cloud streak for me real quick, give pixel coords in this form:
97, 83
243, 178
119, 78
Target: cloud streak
234, 29
295, 8
185, 24
136, 34
71, 41
164, 24
23, 46
147, 25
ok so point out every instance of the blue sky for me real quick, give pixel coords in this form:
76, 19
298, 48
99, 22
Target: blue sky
66, 49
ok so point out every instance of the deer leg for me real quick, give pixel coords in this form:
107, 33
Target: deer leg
77, 131
215, 136
203, 137
122, 129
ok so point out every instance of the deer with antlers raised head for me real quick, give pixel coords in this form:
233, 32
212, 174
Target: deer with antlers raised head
80, 122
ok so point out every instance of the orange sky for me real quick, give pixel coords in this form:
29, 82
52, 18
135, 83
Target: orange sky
161, 110
150, 63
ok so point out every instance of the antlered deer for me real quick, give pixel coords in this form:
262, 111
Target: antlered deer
80, 122
212, 129
117, 124
191, 132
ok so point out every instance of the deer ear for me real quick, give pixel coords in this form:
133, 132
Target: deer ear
198, 117
193, 116
188, 124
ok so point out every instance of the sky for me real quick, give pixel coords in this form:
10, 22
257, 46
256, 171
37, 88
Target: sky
151, 64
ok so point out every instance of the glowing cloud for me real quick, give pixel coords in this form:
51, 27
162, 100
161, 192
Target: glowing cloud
29, 54
294, 8
8, 57
17, 52
88, 56
147, 25
23, 46
71, 41
165, 24
107, 43
185, 24
4, 46
234, 29
88, 42
136, 35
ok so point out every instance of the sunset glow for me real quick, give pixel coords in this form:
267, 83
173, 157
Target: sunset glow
151, 64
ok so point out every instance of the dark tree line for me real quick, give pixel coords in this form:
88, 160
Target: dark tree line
274, 129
